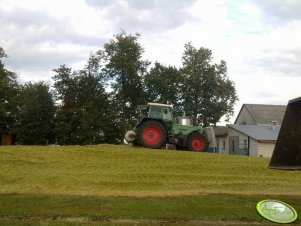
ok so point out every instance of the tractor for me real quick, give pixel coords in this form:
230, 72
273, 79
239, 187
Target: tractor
157, 128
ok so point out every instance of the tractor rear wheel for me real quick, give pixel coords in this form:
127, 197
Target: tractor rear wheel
152, 134
196, 142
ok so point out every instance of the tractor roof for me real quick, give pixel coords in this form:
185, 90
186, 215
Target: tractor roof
161, 105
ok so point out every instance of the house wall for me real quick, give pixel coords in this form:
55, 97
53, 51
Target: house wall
232, 132
257, 149
253, 151
244, 117
223, 143
241, 137
265, 149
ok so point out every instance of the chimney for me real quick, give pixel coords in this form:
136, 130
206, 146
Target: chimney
273, 125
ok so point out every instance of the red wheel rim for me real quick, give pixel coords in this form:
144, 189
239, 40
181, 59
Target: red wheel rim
151, 135
197, 144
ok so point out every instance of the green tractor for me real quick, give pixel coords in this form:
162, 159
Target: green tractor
158, 128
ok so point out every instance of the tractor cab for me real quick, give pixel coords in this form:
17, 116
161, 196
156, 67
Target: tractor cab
156, 111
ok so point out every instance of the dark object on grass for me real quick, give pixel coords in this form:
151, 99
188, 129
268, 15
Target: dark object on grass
287, 152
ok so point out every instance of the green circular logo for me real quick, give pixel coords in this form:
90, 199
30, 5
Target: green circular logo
276, 211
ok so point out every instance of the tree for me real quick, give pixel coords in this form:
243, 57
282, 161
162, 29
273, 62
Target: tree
96, 115
9, 91
163, 84
67, 116
85, 114
208, 93
36, 115
124, 69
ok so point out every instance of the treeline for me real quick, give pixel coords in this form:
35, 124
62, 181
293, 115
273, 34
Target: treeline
98, 103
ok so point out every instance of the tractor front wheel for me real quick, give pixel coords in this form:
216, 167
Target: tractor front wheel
152, 134
196, 142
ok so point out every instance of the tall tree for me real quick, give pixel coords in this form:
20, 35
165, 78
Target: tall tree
90, 100
67, 117
9, 91
96, 115
124, 68
85, 114
106, 109
163, 84
208, 93
36, 115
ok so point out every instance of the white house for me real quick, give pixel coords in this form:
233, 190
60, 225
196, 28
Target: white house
252, 140
254, 132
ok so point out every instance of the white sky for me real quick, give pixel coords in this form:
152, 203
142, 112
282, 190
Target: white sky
259, 39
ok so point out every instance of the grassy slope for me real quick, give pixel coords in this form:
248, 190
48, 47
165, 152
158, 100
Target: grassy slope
119, 170
109, 183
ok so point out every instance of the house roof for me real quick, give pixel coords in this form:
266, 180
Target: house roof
221, 131
258, 132
263, 114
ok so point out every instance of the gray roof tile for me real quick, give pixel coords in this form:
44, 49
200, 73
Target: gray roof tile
264, 114
258, 132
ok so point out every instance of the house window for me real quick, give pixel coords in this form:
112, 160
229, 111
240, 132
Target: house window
224, 145
245, 143
232, 146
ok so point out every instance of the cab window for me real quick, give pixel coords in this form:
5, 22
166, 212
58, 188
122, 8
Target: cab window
155, 112
166, 114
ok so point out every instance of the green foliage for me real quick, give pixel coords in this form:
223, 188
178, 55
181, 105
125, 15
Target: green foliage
124, 69
2, 53
163, 85
9, 91
85, 115
208, 93
200, 88
98, 103
67, 117
36, 114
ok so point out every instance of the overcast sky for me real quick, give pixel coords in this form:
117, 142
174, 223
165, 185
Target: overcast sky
259, 39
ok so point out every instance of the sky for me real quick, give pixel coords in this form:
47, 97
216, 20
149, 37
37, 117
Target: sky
258, 39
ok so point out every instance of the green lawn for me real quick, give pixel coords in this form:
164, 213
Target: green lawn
110, 184
184, 210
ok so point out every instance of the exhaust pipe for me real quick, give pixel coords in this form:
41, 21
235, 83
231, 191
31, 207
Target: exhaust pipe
287, 152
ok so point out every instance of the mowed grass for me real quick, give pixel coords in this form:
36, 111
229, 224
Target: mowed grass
97, 210
119, 170
122, 185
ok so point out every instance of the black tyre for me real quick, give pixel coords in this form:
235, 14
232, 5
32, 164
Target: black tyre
152, 134
196, 142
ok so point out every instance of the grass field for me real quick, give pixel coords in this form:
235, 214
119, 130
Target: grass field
121, 185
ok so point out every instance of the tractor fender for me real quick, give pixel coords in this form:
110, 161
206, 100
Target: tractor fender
148, 119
